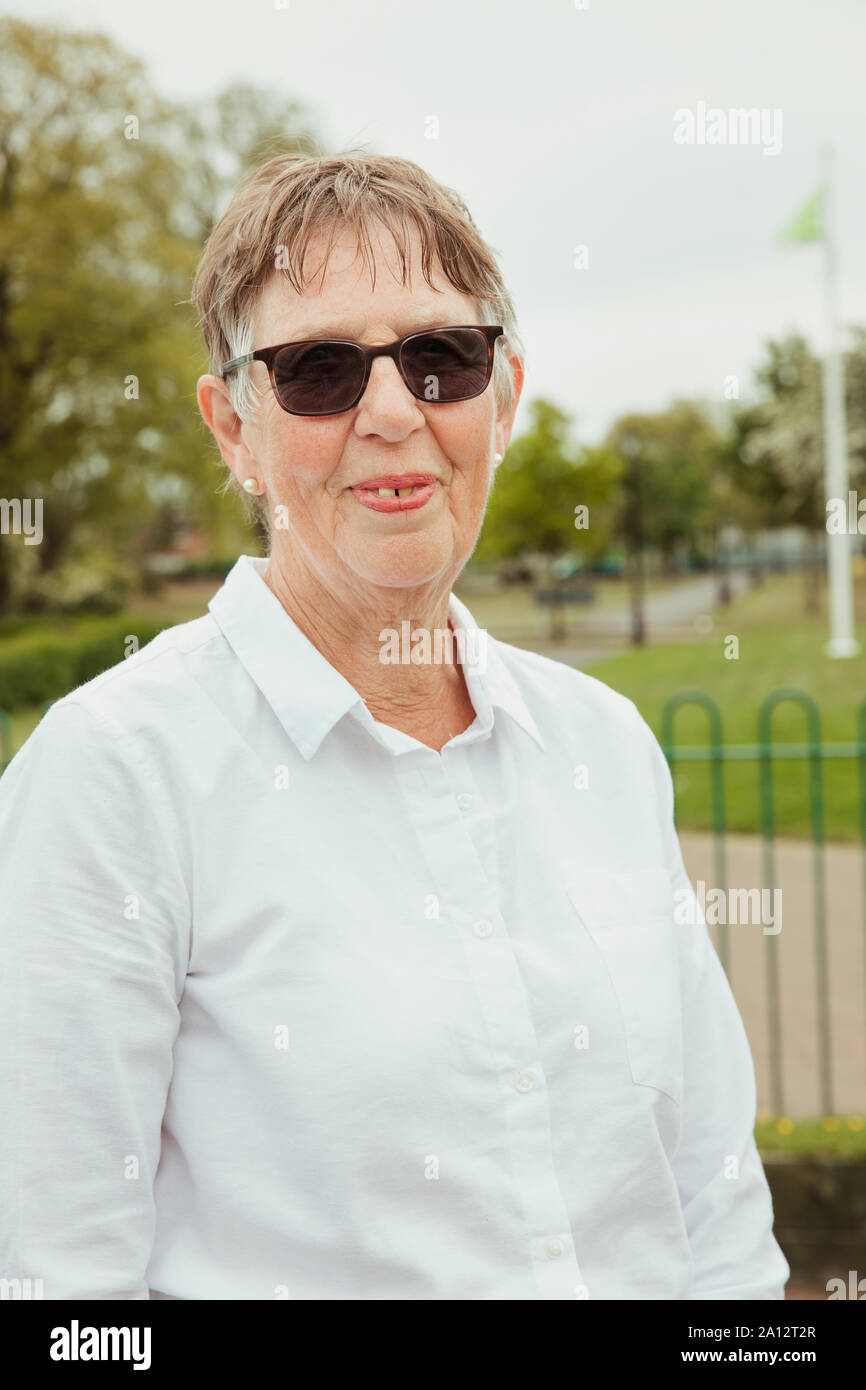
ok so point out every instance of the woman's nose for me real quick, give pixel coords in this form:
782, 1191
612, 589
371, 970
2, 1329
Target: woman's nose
386, 392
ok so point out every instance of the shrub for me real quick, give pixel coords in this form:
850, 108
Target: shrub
44, 667
95, 583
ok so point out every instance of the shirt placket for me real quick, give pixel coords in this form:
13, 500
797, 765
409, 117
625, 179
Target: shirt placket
460, 833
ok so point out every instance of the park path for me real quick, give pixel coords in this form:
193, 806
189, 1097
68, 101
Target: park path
671, 608
794, 945
684, 610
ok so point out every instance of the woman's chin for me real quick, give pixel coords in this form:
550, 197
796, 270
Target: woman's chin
406, 562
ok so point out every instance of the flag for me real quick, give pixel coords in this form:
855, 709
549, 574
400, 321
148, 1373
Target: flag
808, 224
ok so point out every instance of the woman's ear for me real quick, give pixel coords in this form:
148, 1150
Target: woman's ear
225, 424
505, 423
217, 411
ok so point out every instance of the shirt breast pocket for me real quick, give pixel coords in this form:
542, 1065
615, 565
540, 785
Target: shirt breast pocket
629, 917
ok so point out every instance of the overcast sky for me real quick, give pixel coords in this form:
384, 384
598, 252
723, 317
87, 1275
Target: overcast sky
556, 124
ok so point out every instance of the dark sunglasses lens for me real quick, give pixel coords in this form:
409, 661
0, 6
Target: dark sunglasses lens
319, 378
447, 365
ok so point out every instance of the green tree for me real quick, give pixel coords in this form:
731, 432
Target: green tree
537, 488
670, 459
779, 453
107, 192
677, 451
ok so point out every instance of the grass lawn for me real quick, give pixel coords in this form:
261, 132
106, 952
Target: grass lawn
778, 645
836, 1134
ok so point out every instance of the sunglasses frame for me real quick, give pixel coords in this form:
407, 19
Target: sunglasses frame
393, 350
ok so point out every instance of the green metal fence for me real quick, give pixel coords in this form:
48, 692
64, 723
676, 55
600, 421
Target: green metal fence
766, 753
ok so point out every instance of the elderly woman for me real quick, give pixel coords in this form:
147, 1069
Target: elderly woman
330, 975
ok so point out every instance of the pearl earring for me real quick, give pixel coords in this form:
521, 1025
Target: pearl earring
251, 485
497, 458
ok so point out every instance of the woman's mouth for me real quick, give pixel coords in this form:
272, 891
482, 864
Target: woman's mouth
395, 493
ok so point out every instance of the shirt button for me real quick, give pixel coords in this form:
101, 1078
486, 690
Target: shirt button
524, 1082
483, 928
465, 801
554, 1248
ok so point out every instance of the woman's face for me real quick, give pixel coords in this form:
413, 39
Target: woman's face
311, 465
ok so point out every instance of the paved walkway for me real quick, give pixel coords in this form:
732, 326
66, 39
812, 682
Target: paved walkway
681, 611
676, 607
794, 946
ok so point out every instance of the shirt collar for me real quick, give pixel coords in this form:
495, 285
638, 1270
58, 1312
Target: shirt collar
308, 695
491, 681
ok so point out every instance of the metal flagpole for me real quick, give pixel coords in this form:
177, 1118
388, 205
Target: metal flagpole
842, 642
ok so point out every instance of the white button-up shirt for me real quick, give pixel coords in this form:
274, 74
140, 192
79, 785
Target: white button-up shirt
294, 1006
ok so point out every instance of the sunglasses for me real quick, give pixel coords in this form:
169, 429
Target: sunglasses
325, 376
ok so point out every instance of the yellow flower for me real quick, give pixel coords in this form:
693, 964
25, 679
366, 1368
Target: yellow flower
784, 1125
831, 1123
856, 1122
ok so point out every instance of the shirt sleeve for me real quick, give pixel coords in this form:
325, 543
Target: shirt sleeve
94, 941
726, 1201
